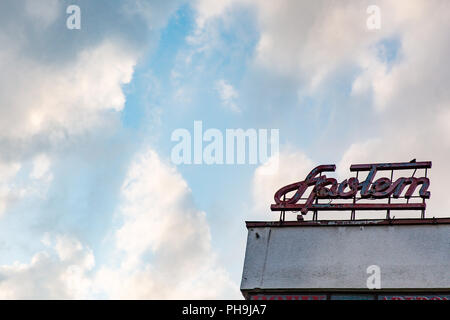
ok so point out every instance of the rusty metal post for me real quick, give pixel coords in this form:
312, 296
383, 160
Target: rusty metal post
423, 210
353, 212
282, 213
388, 213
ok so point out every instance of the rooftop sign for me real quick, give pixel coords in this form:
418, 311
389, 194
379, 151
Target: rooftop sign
367, 189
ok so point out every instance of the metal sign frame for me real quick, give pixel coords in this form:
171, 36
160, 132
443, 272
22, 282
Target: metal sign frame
382, 188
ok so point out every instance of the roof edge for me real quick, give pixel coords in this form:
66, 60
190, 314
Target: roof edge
334, 223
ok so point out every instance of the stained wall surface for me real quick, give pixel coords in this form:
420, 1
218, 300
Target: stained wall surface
330, 257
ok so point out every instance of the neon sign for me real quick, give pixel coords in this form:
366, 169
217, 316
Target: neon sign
368, 189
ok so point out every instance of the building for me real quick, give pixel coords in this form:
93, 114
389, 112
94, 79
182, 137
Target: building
381, 259
336, 259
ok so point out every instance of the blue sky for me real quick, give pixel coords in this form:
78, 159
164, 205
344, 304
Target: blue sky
91, 203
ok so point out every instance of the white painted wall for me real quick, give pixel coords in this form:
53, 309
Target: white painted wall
312, 257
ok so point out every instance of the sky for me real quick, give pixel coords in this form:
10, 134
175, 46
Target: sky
92, 204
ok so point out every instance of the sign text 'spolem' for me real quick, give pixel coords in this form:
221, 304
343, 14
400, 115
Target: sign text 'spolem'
324, 187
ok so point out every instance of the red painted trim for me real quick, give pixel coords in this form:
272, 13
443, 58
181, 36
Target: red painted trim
334, 223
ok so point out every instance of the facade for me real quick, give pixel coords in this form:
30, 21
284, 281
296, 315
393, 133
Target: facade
348, 259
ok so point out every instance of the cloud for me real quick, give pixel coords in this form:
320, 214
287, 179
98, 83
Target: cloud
208, 9
71, 84
41, 166
43, 106
80, 91
297, 37
28, 179
54, 92
164, 243
43, 15
394, 78
49, 95
162, 249
293, 165
58, 272
227, 94
56, 95
402, 148
59, 85
7, 173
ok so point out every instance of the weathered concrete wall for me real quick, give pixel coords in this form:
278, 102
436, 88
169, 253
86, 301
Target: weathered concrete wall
325, 257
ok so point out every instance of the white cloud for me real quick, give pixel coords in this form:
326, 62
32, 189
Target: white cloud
297, 37
58, 272
14, 187
227, 94
208, 9
309, 41
293, 166
7, 173
41, 166
164, 244
402, 148
72, 97
43, 15
163, 249
49, 93
312, 43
